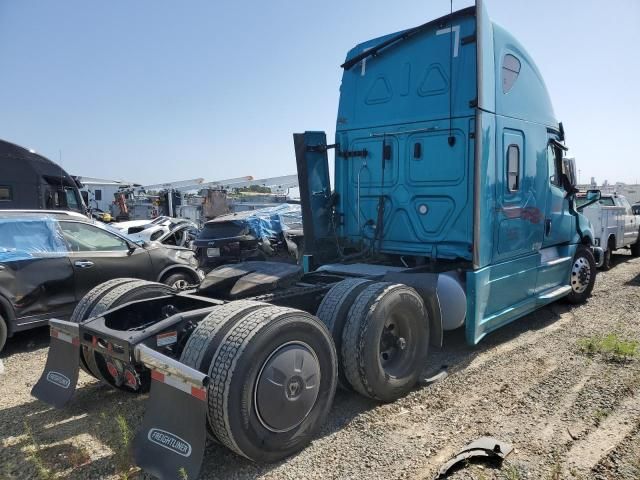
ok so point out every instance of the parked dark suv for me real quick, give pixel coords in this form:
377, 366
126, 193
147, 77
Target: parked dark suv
48, 261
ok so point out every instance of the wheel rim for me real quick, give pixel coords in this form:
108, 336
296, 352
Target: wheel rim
287, 387
580, 275
396, 346
180, 284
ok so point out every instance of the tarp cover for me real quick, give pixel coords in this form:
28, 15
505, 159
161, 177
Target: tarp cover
267, 223
24, 237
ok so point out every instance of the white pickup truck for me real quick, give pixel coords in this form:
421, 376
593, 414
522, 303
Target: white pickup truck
614, 225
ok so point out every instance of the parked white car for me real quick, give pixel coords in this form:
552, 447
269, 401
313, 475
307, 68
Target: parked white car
614, 225
166, 230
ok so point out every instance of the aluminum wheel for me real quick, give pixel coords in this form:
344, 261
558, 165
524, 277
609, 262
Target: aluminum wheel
580, 275
180, 285
287, 387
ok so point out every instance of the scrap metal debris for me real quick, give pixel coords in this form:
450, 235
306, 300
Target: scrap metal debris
441, 375
485, 447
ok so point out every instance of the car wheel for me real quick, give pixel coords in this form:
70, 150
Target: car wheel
179, 281
3, 332
583, 275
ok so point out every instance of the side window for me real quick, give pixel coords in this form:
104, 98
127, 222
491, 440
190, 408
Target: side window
5, 193
513, 168
81, 237
98, 194
510, 72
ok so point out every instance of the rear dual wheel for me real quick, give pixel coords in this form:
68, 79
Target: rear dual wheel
100, 299
273, 377
381, 332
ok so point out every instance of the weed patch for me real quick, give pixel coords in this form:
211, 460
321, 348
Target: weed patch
610, 346
34, 455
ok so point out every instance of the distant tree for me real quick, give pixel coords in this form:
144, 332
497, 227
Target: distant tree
255, 189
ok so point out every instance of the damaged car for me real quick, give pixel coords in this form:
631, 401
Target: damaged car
49, 260
273, 233
166, 230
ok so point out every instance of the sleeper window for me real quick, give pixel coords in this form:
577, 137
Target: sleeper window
513, 168
510, 72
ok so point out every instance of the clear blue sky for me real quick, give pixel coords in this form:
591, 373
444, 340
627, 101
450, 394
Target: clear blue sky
152, 91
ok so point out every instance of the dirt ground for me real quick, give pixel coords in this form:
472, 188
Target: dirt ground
569, 413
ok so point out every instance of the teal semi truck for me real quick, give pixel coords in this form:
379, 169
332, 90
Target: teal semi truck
453, 207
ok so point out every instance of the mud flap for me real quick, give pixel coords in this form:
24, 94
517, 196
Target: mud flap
58, 381
171, 441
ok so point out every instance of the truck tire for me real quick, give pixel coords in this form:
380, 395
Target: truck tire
635, 248
273, 380
127, 292
333, 312
583, 275
86, 304
207, 336
4, 332
385, 341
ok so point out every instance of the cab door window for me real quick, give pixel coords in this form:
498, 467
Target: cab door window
555, 169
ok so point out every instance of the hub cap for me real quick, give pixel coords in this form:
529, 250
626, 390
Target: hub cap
580, 275
287, 387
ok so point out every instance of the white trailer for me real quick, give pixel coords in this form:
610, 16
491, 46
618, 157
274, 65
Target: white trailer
614, 225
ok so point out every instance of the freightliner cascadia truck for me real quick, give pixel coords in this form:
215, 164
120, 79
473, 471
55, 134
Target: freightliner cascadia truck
453, 207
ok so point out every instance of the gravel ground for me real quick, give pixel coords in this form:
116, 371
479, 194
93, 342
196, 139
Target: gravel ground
568, 414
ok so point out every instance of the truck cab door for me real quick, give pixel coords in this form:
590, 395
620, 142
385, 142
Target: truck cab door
98, 255
559, 226
630, 227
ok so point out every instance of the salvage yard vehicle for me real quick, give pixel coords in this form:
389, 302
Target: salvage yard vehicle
614, 223
29, 180
50, 259
266, 233
165, 230
449, 211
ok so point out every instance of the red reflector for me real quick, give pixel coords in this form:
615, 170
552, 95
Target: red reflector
54, 332
94, 341
75, 341
130, 379
157, 376
113, 371
199, 393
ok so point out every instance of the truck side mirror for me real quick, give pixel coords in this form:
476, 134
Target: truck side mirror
591, 197
569, 168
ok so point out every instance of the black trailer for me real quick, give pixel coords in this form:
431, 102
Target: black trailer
31, 181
